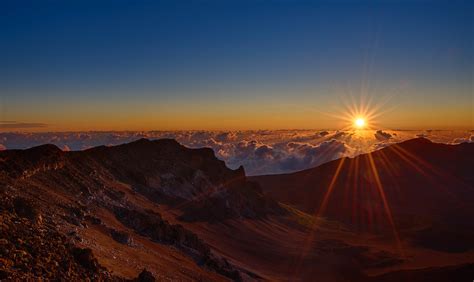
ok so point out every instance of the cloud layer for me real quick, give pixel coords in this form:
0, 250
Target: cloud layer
260, 152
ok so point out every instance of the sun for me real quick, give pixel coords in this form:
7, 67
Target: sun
358, 116
359, 122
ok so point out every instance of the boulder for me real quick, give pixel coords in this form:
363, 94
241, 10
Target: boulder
27, 209
121, 237
85, 258
145, 276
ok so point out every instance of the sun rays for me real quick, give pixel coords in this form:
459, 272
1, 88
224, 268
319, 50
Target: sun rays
359, 113
386, 206
369, 186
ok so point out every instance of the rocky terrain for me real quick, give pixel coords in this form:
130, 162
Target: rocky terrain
53, 194
151, 210
32, 247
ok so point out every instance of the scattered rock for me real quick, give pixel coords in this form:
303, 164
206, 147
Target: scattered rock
31, 253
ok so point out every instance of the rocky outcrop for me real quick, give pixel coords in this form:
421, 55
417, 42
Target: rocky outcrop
240, 200
27, 208
27, 163
191, 179
121, 237
150, 224
145, 276
85, 258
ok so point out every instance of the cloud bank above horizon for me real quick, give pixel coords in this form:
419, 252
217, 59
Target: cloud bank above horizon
259, 152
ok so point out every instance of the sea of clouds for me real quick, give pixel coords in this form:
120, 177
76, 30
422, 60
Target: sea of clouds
260, 152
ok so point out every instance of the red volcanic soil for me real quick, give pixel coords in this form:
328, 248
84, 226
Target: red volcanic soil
183, 215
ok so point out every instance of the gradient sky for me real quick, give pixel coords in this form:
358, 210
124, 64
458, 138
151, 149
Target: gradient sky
141, 65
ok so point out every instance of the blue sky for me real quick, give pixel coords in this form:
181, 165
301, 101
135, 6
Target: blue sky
70, 63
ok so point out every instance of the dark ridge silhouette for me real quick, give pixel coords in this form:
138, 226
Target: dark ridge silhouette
415, 182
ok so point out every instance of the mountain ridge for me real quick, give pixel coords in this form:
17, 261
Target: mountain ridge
413, 180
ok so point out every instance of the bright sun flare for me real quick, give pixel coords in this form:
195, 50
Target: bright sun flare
359, 122
358, 116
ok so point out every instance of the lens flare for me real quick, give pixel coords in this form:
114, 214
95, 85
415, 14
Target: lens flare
360, 116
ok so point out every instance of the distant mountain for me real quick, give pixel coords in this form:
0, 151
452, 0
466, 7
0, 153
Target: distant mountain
417, 183
158, 210
161, 170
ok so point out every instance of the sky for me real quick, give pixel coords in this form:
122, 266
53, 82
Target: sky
234, 65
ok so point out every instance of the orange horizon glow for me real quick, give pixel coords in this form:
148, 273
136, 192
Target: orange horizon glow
218, 122
258, 115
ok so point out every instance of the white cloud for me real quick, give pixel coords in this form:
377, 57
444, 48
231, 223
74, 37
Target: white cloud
260, 152
463, 140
